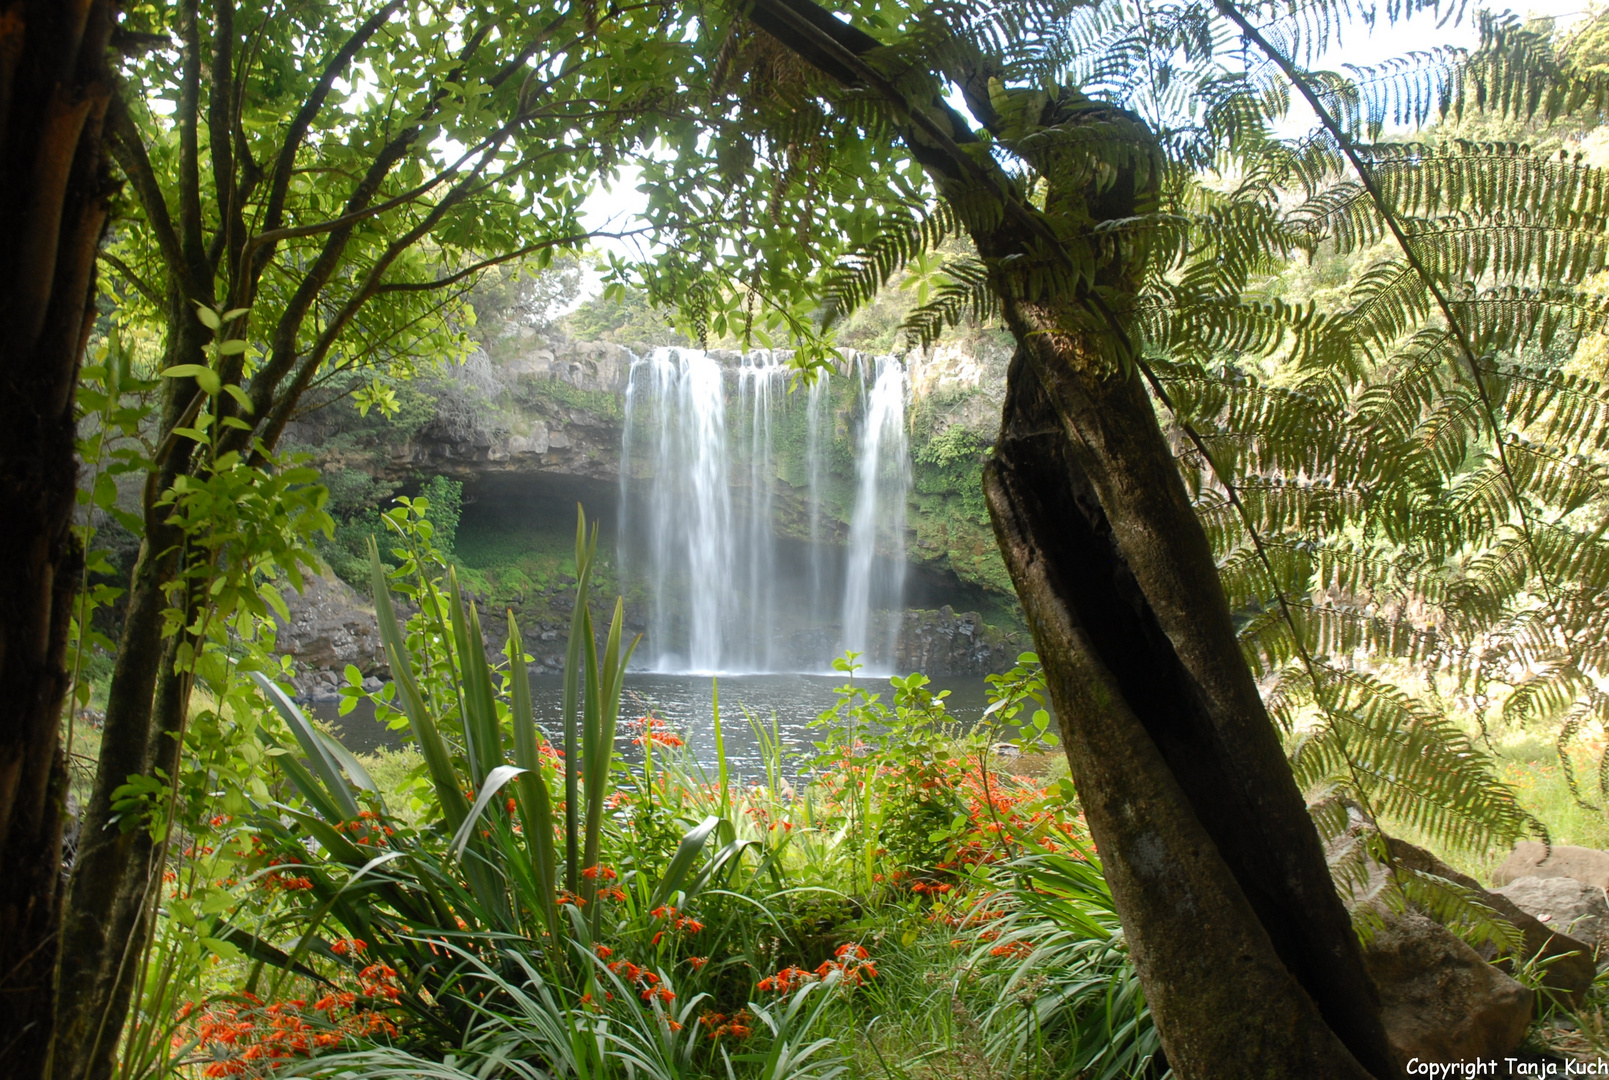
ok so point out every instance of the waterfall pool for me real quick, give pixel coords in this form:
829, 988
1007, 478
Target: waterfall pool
684, 703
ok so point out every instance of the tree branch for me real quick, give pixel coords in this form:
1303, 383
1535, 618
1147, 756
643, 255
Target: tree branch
834, 48
357, 216
283, 355
277, 413
486, 264
285, 164
188, 119
144, 287
129, 150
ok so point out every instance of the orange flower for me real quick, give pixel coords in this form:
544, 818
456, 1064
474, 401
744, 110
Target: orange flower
1012, 949
787, 980
738, 1025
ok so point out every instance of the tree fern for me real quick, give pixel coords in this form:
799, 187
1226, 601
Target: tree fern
1422, 395
1399, 472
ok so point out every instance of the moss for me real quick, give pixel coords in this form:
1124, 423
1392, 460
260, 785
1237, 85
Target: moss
949, 516
536, 392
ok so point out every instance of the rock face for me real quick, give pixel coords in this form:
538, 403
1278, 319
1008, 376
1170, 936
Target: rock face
586, 365
944, 643
568, 422
1440, 1001
330, 627
1564, 905
1570, 968
1531, 859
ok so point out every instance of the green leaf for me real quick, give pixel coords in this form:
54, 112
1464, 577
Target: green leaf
494, 783
484, 734
431, 745
204, 376
241, 398
535, 804
687, 853
323, 762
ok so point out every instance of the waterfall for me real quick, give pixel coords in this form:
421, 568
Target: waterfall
815, 413
690, 512
756, 379
711, 523
883, 475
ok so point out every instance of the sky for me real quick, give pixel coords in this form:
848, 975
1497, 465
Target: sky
1421, 33
616, 206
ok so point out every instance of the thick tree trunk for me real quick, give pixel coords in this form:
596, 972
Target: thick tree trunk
1118, 579
54, 190
1249, 964
1245, 950
117, 875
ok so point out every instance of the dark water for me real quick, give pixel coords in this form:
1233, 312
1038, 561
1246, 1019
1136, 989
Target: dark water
685, 703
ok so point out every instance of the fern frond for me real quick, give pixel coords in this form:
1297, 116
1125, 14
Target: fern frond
1458, 908
1415, 766
1518, 73
967, 294
900, 237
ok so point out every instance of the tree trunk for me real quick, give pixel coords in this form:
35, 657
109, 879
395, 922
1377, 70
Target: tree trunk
54, 192
117, 871
1246, 953
1240, 939
1220, 932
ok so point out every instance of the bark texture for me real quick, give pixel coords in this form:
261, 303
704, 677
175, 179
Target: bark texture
54, 190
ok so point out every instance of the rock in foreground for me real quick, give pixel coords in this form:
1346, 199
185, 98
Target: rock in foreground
1570, 966
1440, 1001
1531, 859
1565, 905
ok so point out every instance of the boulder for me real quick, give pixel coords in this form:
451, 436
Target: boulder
943, 642
1573, 969
330, 627
1439, 1000
1531, 859
1564, 905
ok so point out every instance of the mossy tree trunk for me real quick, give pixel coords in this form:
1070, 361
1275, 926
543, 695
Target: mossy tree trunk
1245, 951
54, 90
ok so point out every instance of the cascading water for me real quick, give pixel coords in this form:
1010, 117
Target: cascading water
706, 471
883, 477
755, 391
815, 416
